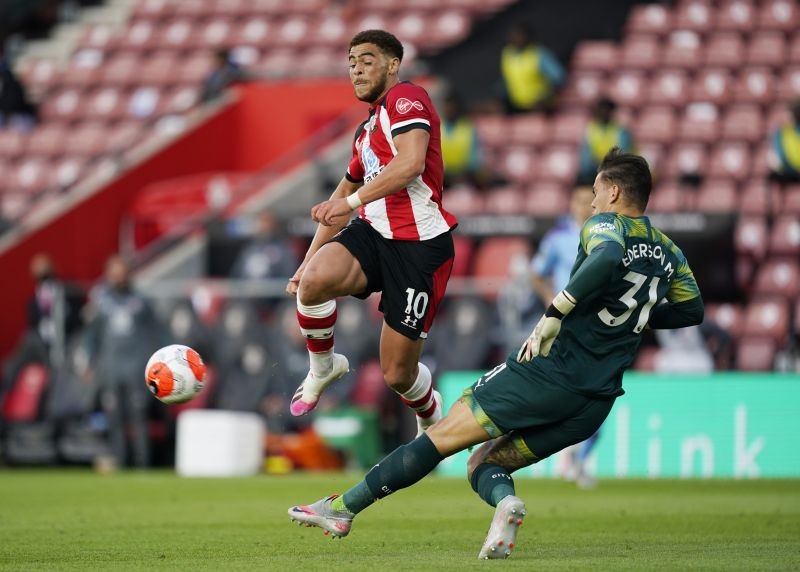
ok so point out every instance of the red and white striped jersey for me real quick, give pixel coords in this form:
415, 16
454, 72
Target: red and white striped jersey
416, 212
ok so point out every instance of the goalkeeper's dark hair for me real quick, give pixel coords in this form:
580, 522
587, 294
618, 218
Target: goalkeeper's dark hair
387, 42
630, 173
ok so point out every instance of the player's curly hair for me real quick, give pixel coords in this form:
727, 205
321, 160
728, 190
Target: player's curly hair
387, 42
630, 173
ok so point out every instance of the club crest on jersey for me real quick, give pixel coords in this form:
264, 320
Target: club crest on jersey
404, 105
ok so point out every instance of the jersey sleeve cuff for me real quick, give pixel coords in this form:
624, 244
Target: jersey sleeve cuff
352, 179
405, 127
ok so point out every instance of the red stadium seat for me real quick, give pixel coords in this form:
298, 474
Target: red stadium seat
713, 85
121, 70
789, 85
756, 197
88, 140
64, 106
790, 204
40, 75
320, 62
781, 15
669, 198
158, 69
446, 29
569, 127
582, 89
215, 34
29, 175
655, 153
66, 172
683, 50
100, 37
767, 49
293, 31
12, 144
755, 354
730, 160
14, 205
779, 277
140, 36
649, 19
744, 123
153, 9
193, 10
724, 49
494, 256
735, 15
492, 129
518, 164
694, 15
755, 85
547, 199
640, 52
330, 31
669, 88
558, 164
258, 32
729, 317
785, 236
717, 196
464, 248
597, 55
194, 69
656, 125
124, 136
767, 318
24, 400
686, 159
751, 237
700, 123
107, 103
627, 88
177, 35
505, 201
84, 69
529, 129
464, 200
48, 140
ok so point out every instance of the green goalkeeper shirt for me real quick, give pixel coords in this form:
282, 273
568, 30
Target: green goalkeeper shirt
627, 275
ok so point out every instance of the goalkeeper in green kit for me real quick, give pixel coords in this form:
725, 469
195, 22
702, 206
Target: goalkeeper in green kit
560, 386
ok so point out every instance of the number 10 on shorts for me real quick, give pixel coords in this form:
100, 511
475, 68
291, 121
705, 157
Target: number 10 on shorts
416, 302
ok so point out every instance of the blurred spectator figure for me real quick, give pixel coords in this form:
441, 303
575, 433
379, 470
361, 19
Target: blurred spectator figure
226, 72
186, 328
602, 134
785, 156
531, 74
52, 316
552, 264
120, 336
461, 146
16, 110
269, 255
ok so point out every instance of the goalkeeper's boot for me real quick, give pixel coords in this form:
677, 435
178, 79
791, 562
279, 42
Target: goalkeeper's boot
424, 422
334, 522
307, 395
502, 535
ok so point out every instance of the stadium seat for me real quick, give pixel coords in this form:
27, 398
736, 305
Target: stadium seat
724, 49
320, 62
656, 125
767, 49
139, 36
48, 140
492, 129
794, 49
179, 34
258, 32
716, 196
121, 70
569, 127
518, 164
694, 15
790, 203
730, 160
782, 15
558, 163
683, 50
529, 129
789, 84
669, 198
735, 15
23, 402
779, 277
785, 236
446, 28
729, 317
686, 159
700, 123
293, 32
547, 199
751, 237
463, 200
40, 75
493, 259
66, 172
743, 122
640, 52
464, 249
159, 69
194, 69
29, 175
330, 31
88, 140
65, 106
582, 89
507, 200
668, 87
14, 205
655, 153
627, 88
107, 103
755, 354
756, 197
712, 85
596, 55
12, 144
767, 318
649, 19
83, 69
755, 85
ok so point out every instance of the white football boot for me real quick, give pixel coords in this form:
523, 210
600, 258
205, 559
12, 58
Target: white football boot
320, 513
307, 395
502, 535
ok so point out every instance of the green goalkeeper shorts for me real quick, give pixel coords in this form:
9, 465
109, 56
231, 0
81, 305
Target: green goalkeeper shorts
541, 417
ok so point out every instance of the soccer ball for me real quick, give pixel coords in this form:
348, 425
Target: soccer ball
175, 374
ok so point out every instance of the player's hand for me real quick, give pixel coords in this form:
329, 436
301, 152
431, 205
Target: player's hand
331, 212
294, 281
541, 339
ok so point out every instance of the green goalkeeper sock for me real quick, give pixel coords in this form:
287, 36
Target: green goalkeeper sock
492, 483
400, 469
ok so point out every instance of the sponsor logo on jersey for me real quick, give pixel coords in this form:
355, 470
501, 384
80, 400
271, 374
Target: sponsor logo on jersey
404, 105
601, 226
372, 165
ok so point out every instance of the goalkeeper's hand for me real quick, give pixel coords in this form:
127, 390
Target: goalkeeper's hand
544, 334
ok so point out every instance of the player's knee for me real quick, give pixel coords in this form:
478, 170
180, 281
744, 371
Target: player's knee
399, 376
312, 289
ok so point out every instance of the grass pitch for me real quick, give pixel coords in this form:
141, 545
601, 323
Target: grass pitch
76, 520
